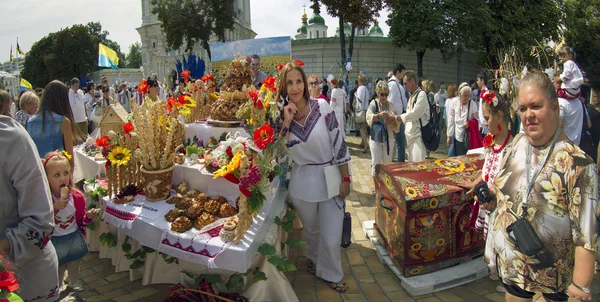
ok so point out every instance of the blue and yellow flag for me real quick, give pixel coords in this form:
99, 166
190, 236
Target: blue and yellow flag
25, 84
107, 57
11, 56
19, 50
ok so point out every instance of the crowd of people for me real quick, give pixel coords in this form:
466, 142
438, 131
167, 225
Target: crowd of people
555, 193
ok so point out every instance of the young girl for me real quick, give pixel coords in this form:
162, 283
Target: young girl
571, 77
70, 218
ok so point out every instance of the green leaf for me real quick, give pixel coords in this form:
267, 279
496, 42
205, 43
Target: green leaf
256, 199
148, 249
259, 276
290, 267
267, 250
234, 280
212, 278
277, 261
278, 221
126, 247
92, 226
136, 264
248, 272
294, 242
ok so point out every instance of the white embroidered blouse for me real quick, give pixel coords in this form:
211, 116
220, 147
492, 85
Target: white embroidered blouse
313, 146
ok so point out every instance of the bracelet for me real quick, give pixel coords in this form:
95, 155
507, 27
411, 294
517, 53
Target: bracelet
583, 289
346, 179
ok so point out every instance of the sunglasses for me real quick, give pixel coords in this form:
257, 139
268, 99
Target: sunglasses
314, 83
383, 94
154, 85
382, 85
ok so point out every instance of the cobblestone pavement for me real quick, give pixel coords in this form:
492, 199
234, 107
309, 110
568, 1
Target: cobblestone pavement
367, 278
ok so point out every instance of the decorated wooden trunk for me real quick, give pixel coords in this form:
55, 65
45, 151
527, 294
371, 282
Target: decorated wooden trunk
423, 210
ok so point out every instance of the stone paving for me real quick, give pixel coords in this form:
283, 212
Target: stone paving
367, 278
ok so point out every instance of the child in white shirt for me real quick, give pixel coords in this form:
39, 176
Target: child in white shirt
571, 77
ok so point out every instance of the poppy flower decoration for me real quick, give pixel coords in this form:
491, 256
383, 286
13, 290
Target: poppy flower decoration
103, 142
489, 97
186, 75
143, 87
253, 94
269, 83
8, 282
299, 63
206, 78
279, 67
127, 128
263, 136
488, 140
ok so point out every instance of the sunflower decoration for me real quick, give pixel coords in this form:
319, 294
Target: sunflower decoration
416, 271
411, 192
67, 155
440, 242
449, 164
422, 167
433, 203
416, 246
119, 156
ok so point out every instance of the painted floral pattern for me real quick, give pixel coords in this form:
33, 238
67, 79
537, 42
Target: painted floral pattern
561, 208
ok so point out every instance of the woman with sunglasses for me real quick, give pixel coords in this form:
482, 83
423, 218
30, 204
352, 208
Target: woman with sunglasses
314, 89
382, 110
153, 91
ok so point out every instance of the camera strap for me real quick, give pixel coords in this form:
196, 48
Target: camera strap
540, 166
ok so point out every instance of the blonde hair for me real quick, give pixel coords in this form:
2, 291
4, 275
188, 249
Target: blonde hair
382, 86
55, 156
28, 98
362, 79
429, 86
464, 87
451, 91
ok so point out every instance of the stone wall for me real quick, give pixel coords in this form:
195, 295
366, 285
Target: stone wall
374, 57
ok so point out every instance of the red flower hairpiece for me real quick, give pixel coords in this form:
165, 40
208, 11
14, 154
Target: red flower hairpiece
488, 97
279, 67
143, 87
299, 63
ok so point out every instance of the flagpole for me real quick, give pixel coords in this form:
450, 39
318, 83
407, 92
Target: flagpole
18, 73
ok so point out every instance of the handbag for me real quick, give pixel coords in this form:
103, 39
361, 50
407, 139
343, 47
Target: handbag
586, 143
361, 115
346, 229
379, 132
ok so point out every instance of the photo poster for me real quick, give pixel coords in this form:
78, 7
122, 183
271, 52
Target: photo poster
271, 51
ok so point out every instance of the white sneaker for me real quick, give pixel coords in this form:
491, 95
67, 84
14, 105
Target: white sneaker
76, 287
494, 277
500, 288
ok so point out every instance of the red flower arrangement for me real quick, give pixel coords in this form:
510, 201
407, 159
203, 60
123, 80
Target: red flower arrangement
488, 140
103, 142
143, 87
269, 83
186, 75
279, 67
263, 136
127, 128
299, 63
253, 94
8, 283
206, 78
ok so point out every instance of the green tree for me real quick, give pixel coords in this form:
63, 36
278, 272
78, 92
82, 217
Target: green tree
359, 13
431, 32
582, 23
34, 68
134, 57
101, 36
193, 21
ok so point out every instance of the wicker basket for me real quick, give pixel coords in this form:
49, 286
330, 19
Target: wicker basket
157, 184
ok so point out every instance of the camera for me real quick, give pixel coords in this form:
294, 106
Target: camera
97, 94
483, 192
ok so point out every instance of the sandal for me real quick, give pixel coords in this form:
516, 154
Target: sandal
311, 267
338, 287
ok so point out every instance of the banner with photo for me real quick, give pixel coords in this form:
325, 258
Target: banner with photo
271, 51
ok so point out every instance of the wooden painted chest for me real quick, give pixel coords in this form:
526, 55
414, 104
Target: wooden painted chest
422, 213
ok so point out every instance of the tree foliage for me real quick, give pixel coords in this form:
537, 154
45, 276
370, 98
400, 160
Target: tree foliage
582, 23
70, 52
359, 13
187, 22
134, 57
101, 36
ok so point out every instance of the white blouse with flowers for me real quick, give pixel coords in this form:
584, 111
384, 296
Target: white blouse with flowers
313, 146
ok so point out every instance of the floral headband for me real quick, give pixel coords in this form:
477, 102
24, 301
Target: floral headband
385, 85
489, 97
63, 153
280, 66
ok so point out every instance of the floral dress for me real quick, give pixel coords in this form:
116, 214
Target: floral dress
561, 208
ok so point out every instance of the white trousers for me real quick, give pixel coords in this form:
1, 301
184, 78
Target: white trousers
379, 153
323, 222
416, 150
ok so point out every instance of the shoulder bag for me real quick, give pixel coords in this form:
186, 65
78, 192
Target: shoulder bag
361, 115
379, 132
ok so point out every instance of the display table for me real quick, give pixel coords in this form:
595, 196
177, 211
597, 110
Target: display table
203, 131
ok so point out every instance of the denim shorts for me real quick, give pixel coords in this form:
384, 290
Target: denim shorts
70, 247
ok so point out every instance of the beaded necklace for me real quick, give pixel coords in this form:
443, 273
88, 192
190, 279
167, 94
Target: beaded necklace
502, 146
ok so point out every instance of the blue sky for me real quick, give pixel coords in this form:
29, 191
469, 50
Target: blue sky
262, 47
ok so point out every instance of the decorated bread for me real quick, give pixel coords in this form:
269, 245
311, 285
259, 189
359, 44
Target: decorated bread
212, 206
184, 203
204, 220
227, 210
195, 210
203, 197
220, 199
183, 187
173, 200
181, 224
173, 214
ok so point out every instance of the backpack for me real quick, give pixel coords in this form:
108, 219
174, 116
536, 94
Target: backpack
379, 132
430, 133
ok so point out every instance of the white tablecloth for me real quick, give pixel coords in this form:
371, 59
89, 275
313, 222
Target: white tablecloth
86, 167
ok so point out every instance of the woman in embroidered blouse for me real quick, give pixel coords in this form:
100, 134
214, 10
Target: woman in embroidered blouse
26, 219
381, 109
560, 206
315, 141
457, 119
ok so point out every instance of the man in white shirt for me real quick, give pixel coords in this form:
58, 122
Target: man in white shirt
77, 102
416, 113
398, 98
113, 93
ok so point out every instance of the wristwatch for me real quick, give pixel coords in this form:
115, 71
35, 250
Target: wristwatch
581, 288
